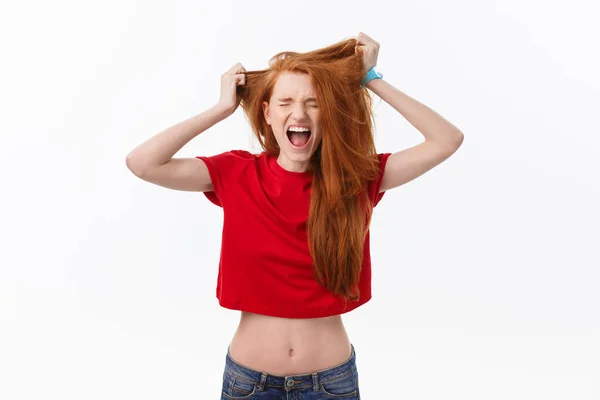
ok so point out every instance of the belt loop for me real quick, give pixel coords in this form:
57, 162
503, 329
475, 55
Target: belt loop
263, 380
315, 378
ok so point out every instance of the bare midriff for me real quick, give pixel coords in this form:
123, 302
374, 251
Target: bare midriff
289, 346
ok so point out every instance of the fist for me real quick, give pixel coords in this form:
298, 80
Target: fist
369, 49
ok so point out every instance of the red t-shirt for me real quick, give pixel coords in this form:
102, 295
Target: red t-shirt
265, 265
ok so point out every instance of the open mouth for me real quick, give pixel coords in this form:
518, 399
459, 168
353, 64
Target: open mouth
299, 138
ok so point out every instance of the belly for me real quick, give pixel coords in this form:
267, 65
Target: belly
284, 346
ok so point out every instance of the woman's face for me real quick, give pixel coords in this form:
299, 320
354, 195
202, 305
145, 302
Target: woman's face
293, 113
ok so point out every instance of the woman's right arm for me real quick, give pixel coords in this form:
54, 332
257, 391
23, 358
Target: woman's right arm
153, 160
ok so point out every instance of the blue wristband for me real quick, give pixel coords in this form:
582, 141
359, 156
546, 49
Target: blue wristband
372, 74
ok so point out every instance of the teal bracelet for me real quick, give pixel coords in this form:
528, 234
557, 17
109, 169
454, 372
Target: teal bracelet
372, 74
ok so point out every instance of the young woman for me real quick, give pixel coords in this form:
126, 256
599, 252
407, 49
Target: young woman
295, 246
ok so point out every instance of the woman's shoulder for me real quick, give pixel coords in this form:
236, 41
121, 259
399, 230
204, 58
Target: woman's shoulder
239, 160
245, 154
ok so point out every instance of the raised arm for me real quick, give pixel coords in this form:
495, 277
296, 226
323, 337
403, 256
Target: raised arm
442, 138
153, 160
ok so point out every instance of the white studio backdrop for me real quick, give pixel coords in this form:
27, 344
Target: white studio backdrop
485, 269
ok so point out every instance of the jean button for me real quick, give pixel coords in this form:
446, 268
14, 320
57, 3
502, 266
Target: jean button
290, 383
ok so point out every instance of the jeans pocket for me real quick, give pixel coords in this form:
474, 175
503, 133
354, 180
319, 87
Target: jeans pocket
345, 387
237, 387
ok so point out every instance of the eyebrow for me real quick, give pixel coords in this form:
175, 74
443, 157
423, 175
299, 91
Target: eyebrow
290, 99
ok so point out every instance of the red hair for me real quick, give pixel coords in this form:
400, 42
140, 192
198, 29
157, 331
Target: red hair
342, 165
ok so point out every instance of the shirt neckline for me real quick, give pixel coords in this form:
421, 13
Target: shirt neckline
282, 172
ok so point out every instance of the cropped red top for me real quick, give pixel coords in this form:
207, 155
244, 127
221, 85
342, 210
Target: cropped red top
265, 266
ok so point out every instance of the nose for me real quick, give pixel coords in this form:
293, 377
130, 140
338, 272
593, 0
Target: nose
298, 111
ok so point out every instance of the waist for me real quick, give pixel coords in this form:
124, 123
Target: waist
289, 346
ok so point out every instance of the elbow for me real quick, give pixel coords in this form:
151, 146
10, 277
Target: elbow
455, 139
133, 166
460, 137
452, 142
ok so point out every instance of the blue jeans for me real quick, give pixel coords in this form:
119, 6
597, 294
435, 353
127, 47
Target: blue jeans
338, 382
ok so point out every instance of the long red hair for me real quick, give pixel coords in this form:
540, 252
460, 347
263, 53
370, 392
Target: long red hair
343, 164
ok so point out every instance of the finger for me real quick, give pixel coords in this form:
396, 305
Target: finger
240, 79
235, 69
366, 37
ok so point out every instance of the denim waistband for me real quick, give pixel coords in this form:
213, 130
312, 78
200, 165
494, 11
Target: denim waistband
306, 380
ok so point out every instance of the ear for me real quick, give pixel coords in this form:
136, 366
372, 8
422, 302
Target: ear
265, 107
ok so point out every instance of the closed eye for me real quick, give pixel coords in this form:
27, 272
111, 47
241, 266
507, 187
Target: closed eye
310, 105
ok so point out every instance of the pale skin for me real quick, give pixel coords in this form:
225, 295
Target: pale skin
283, 346
293, 103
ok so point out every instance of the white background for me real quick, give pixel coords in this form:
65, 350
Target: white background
485, 269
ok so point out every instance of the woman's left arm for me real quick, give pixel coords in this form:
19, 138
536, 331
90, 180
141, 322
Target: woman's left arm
432, 125
442, 138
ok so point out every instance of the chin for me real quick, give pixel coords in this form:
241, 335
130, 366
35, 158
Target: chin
299, 157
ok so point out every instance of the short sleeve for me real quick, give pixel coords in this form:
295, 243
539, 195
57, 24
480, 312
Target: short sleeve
375, 186
222, 167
